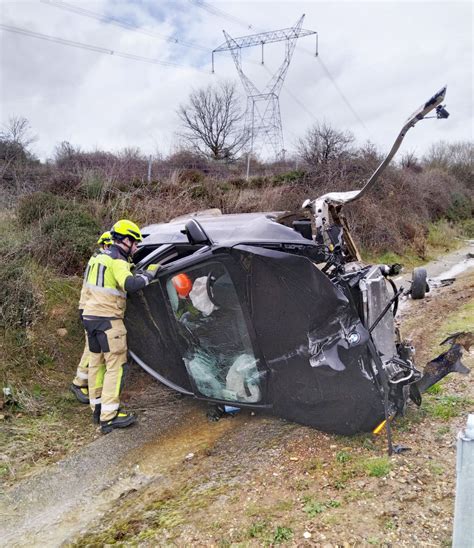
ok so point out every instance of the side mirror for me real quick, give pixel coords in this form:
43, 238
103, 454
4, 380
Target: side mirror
196, 234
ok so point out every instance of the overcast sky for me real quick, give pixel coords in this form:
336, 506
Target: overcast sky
378, 61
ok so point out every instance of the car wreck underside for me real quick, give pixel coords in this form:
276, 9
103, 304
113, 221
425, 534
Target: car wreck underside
280, 314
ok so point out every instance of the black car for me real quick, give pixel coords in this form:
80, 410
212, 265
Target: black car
275, 311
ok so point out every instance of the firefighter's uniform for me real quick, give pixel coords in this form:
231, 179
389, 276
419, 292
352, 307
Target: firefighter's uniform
108, 281
79, 385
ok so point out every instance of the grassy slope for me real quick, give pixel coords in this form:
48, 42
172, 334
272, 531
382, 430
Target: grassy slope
43, 421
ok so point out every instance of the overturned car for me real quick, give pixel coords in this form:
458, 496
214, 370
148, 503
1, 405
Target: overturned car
276, 311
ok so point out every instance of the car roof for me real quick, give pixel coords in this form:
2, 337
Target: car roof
225, 229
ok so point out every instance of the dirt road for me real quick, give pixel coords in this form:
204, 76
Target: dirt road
177, 479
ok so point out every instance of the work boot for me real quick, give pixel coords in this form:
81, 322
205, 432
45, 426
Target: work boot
80, 392
121, 420
96, 415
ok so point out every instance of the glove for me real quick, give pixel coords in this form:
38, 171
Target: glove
146, 276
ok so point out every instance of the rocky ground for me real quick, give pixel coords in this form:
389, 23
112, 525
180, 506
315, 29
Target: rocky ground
177, 479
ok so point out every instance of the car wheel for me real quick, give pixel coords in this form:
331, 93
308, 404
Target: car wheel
418, 283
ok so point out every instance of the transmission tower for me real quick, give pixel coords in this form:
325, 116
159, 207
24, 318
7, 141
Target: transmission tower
263, 118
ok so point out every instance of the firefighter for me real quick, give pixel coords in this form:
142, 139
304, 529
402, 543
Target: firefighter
108, 281
79, 384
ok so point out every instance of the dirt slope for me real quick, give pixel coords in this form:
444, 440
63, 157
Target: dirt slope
177, 479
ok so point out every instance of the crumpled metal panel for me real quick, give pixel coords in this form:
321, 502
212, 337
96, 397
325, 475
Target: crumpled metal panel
313, 343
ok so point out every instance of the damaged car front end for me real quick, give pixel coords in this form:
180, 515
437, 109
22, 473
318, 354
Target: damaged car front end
276, 311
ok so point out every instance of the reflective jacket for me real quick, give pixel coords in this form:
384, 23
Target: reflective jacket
85, 289
105, 284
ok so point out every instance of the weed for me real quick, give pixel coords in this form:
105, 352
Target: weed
333, 504
92, 186
314, 465
312, 507
301, 485
257, 529
343, 456
436, 468
435, 389
377, 467
467, 228
282, 534
443, 235
389, 525
338, 484
4, 470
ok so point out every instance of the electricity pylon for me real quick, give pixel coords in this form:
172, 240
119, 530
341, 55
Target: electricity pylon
263, 118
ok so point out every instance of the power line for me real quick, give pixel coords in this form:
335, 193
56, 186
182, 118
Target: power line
96, 49
338, 89
293, 96
123, 24
220, 13
343, 97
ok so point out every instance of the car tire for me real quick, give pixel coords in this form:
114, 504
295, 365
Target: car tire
418, 283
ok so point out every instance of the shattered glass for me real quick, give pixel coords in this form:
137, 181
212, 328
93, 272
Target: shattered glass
215, 343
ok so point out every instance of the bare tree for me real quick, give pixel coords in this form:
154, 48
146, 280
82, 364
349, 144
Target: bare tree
15, 139
18, 130
213, 122
322, 144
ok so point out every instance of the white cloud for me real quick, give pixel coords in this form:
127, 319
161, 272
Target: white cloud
386, 57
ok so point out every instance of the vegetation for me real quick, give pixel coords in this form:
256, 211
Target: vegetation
213, 122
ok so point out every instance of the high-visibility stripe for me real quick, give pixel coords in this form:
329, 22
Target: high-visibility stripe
86, 273
99, 380
108, 290
95, 401
119, 382
82, 375
100, 275
110, 407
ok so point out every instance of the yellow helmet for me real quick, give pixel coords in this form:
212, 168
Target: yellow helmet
105, 239
125, 228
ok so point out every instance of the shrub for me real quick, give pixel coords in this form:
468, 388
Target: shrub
63, 183
468, 228
461, 208
67, 240
294, 177
190, 176
92, 186
20, 300
37, 206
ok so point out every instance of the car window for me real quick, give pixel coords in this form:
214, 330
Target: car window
216, 345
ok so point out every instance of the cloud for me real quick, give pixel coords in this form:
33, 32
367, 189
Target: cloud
383, 58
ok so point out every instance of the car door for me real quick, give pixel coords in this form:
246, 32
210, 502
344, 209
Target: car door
200, 340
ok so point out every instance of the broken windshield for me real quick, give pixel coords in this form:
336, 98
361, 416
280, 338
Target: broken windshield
214, 339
